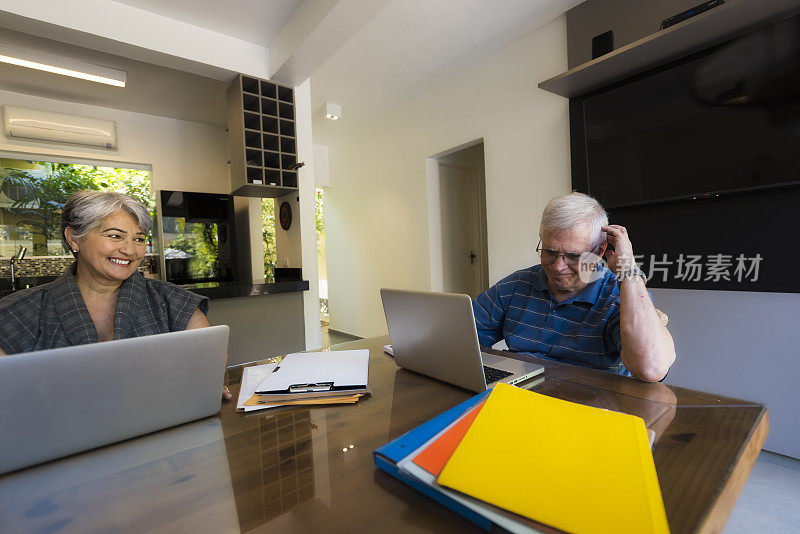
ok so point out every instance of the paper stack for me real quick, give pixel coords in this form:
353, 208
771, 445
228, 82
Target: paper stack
332, 377
525, 461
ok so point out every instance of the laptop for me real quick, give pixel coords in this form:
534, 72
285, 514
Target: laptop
58, 402
434, 334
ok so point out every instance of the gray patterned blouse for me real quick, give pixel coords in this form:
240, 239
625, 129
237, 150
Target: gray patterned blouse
54, 315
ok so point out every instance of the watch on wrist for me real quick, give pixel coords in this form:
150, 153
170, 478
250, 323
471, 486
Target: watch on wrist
630, 272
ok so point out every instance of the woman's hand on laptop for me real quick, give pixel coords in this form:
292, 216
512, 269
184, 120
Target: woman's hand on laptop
226, 393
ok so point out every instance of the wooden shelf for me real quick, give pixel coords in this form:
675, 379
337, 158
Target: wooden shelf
269, 124
289, 178
268, 89
288, 161
263, 191
720, 24
261, 138
286, 94
288, 145
270, 141
272, 160
248, 84
269, 107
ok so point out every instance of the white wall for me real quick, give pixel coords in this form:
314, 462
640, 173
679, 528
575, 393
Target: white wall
307, 221
183, 155
322, 166
376, 207
743, 345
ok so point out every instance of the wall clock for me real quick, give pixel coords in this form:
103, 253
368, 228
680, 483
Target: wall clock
285, 215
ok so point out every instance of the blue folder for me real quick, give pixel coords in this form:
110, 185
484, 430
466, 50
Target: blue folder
386, 457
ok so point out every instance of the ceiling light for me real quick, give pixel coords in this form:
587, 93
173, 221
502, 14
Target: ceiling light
32, 59
333, 112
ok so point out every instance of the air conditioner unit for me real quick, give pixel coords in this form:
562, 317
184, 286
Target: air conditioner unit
47, 126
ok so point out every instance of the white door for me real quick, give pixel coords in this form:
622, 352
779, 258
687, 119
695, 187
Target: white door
461, 250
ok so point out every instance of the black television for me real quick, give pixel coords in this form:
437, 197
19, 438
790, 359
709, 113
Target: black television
722, 121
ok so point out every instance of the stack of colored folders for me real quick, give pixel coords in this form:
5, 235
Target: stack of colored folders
525, 462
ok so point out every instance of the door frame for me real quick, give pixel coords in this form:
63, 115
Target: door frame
436, 266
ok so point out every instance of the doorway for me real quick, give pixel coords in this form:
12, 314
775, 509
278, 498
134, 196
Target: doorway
457, 215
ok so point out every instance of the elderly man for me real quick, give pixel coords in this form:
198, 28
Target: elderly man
551, 311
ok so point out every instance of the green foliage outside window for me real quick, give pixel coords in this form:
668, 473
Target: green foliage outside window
38, 193
319, 214
268, 236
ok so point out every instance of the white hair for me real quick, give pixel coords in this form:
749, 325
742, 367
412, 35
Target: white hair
573, 210
84, 211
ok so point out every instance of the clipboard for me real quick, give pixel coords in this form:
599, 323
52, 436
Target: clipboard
317, 374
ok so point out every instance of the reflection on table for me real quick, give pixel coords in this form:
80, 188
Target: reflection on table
179, 476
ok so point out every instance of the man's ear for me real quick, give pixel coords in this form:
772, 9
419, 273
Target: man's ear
602, 249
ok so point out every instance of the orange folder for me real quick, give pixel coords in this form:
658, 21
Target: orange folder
435, 456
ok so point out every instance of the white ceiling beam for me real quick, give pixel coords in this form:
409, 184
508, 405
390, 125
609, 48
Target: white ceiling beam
124, 30
295, 32
314, 33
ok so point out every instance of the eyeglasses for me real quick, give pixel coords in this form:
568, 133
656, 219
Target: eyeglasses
550, 256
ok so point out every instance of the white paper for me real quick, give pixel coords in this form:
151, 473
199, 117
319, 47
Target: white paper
342, 367
251, 378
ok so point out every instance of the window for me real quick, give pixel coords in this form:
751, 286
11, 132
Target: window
268, 235
32, 195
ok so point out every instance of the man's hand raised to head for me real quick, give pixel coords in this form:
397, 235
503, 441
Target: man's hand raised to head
619, 254
647, 347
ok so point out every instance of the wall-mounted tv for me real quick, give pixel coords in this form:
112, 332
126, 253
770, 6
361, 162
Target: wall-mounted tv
722, 121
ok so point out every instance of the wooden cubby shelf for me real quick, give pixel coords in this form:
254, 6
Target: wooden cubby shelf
269, 107
269, 124
261, 138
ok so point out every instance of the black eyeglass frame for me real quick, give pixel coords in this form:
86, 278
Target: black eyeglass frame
570, 258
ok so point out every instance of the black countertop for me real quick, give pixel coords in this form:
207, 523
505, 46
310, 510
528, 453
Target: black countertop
212, 290
224, 290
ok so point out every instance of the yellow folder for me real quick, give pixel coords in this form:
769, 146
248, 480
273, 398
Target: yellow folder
573, 467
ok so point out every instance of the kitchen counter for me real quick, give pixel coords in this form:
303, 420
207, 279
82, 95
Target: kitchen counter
223, 290
212, 290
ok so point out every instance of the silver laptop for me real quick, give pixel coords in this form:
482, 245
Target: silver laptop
61, 401
434, 334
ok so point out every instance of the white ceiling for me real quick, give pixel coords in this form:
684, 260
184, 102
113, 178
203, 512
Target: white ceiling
410, 46
374, 54
407, 47
255, 21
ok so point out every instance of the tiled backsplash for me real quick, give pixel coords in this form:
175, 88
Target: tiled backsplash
55, 265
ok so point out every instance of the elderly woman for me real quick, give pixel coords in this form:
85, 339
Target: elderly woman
101, 296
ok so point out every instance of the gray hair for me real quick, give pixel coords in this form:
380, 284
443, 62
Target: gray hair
570, 211
84, 211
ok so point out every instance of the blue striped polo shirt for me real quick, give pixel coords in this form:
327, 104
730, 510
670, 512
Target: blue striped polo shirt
582, 330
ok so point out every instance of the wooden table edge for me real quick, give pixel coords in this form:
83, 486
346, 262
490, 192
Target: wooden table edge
717, 515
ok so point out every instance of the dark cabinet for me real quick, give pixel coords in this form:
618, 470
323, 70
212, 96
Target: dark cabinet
261, 138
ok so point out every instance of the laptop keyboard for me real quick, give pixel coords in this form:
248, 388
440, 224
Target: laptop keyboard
493, 374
